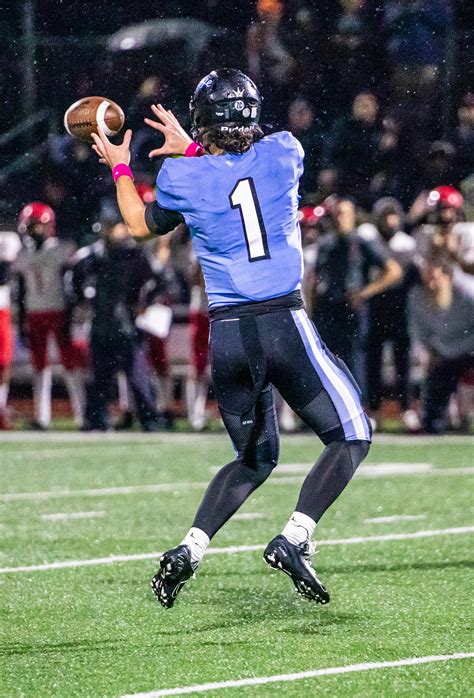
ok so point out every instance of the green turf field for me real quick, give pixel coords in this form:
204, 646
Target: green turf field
96, 630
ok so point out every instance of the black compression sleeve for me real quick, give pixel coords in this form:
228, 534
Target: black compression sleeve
161, 220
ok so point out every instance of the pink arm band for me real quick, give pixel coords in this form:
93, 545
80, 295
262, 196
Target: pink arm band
122, 170
194, 150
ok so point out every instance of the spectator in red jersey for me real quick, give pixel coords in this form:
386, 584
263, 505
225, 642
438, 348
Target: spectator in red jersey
9, 247
42, 304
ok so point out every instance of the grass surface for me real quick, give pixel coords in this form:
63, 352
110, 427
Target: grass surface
97, 630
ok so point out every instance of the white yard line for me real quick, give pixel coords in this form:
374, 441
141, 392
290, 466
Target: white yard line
233, 550
170, 438
313, 673
64, 516
74, 452
248, 516
108, 438
395, 518
364, 472
103, 491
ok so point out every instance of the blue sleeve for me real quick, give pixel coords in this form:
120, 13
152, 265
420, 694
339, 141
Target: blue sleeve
171, 189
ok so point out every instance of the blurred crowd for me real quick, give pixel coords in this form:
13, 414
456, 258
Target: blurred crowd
387, 124
378, 91
375, 281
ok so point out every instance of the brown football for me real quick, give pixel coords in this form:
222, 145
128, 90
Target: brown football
82, 117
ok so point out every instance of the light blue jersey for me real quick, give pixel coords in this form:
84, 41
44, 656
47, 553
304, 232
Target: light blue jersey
242, 211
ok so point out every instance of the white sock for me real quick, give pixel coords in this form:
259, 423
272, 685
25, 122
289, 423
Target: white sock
198, 541
190, 397
75, 387
198, 414
299, 528
42, 396
3, 396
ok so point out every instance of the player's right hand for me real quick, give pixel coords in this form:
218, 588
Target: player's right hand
110, 154
176, 138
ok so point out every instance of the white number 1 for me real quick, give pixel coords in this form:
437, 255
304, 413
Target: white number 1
244, 197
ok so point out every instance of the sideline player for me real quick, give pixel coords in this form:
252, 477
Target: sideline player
10, 245
40, 266
240, 201
197, 382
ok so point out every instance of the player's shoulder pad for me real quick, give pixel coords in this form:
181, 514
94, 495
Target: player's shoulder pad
284, 140
175, 179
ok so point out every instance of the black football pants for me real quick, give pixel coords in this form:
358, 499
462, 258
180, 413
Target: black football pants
280, 348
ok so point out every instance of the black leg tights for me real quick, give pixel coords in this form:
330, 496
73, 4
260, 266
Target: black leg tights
329, 476
228, 490
258, 450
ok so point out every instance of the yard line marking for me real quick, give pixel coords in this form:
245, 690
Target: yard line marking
102, 491
234, 549
396, 517
313, 673
106, 438
367, 473
77, 452
60, 516
366, 470
248, 516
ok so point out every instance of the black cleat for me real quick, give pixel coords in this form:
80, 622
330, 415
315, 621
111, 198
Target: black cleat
174, 571
295, 561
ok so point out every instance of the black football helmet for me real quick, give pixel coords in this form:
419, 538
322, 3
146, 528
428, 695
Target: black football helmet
226, 98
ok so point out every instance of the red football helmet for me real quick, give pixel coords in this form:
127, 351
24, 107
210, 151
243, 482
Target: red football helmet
145, 192
37, 212
445, 197
310, 215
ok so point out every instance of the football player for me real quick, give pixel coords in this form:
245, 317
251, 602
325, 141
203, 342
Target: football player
197, 382
445, 237
10, 245
40, 266
240, 201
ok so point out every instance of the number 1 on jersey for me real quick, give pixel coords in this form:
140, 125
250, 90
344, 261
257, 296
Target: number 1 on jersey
244, 197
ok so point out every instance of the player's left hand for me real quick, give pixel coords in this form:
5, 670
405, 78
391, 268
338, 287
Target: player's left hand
110, 154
